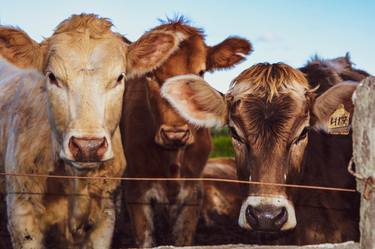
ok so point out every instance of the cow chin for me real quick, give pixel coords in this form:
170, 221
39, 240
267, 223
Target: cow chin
84, 166
258, 214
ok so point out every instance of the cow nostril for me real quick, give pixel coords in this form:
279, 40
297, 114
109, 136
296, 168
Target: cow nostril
252, 216
102, 148
281, 217
74, 147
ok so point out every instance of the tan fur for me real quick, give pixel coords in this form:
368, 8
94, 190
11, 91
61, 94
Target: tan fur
39, 114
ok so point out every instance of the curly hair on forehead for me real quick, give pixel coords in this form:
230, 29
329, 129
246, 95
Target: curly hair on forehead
92, 23
268, 80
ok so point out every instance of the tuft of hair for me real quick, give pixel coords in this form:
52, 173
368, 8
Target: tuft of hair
268, 80
95, 25
341, 66
181, 24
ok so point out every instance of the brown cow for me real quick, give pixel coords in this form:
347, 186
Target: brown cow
271, 110
165, 145
61, 116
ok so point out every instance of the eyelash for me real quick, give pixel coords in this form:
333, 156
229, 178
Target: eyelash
303, 134
52, 78
234, 134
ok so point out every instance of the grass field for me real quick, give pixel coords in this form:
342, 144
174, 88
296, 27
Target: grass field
222, 143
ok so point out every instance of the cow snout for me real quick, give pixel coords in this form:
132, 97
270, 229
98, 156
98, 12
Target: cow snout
174, 136
266, 218
88, 149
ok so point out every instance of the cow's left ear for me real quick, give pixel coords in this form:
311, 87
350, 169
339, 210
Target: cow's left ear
333, 110
228, 53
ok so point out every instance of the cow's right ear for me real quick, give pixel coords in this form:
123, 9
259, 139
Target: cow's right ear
151, 50
19, 49
196, 100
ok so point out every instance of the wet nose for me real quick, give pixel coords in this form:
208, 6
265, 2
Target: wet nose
266, 218
177, 136
88, 149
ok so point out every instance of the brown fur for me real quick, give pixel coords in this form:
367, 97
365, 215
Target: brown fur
321, 216
273, 144
145, 111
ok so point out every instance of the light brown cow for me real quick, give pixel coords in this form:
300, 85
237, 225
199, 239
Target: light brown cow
165, 145
61, 116
271, 110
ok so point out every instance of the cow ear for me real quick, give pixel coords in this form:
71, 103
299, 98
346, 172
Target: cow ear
333, 110
195, 100
228, 53
19, 49
150, 51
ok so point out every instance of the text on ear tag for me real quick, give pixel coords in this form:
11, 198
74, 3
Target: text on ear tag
338, 122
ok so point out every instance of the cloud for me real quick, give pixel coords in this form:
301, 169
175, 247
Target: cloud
269, 37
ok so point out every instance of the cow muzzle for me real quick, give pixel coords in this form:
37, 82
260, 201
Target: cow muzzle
174, 137
86, 151
267, 214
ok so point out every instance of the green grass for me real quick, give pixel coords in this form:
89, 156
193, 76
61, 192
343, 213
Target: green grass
222, 143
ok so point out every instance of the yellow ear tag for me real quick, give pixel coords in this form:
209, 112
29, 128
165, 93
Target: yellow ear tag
338, 123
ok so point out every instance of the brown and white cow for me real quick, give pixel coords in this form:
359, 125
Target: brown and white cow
158, 142
61, 116
273, 114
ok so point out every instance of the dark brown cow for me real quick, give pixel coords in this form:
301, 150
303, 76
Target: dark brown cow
158, 142
281, 134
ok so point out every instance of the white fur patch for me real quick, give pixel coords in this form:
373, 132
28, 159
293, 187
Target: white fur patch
241, 54
278, 201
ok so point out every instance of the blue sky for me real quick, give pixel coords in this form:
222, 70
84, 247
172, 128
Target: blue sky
280, 30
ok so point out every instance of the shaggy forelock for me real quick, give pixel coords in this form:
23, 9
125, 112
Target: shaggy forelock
269, 80
95, 25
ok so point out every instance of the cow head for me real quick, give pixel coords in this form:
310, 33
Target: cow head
193, 57
269, 110
86, 66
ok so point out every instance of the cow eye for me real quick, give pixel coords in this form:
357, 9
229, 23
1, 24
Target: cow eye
52, 79
234, 134
303, 134
121, 78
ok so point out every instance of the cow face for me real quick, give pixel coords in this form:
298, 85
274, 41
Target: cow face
269, 111
86, 66
193, 57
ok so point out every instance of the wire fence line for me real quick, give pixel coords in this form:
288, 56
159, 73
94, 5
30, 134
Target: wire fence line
223, 180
